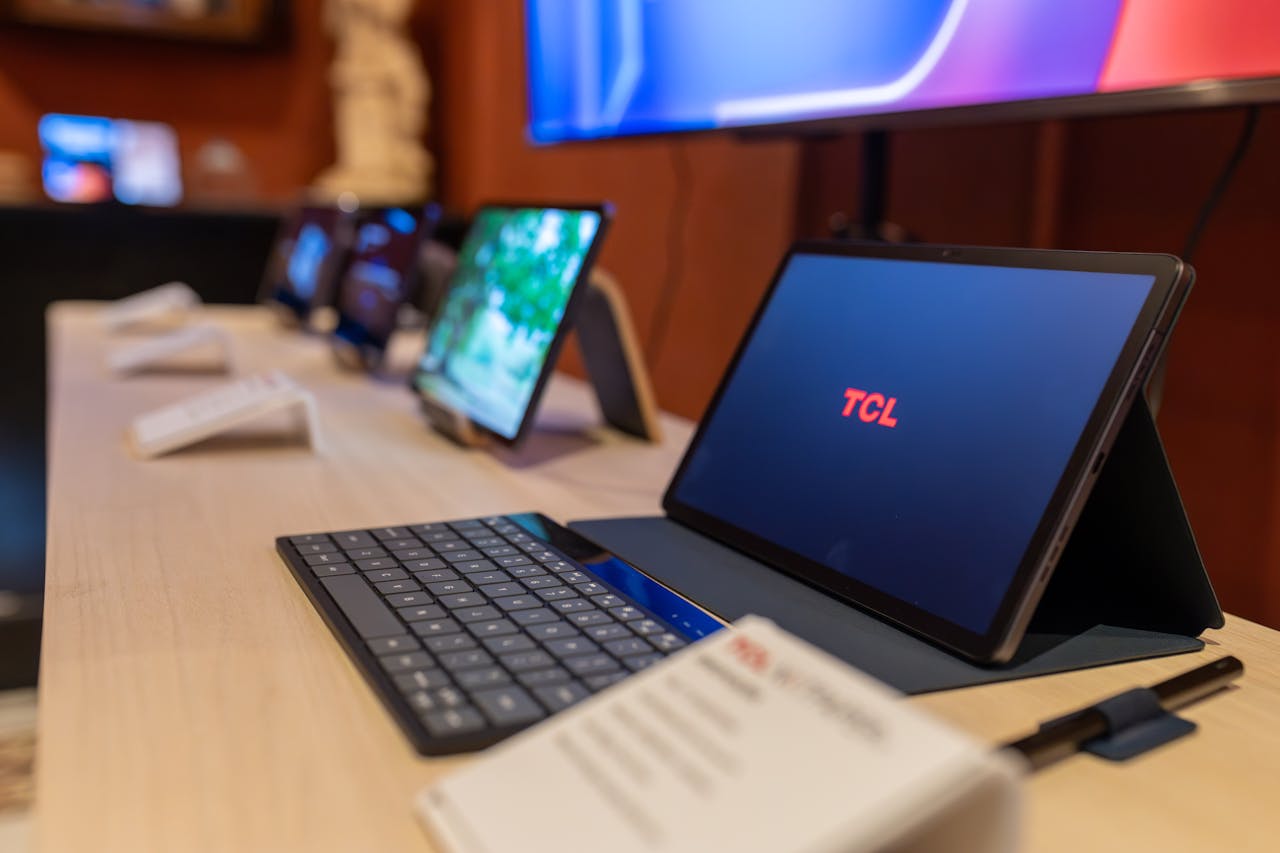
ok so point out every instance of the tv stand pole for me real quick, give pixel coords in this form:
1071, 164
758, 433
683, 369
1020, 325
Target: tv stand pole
873, 195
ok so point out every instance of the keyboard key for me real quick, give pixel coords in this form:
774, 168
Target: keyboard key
525, 571
609, 631
483, 542
534, 617
406, 661
435, 575
333, 569
427, 529
585, 665
552, 630
317, 548
545, 556
626, 613
509, 643
645, 627
556, 593
421, 679
429, 564
517, 602
355, 539
591, 588
364, 553
309, 538
400, 544
574, 577
422, 611
469, 659
449, 587
503, 550
540, 677
541, 582
448, 545
450, 697
509, 706
513, 561
385, 533
607, 600
408, 599
362, 607
449, 643
628, 646
464, 600
572, 646
473, 614
590, 617
502, 590
434, 627
478, 679
494, 628
561, 696
635, 663
391, 645
571, 605
667, 642
519, 537
455, 721
559, 566
482, 578
521, 661
388, 587
472, 566
600, 682
473, 523
387, 575
461, 556
324, 559
376, 564
409, 554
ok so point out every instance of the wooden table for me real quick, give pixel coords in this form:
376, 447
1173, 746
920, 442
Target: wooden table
191, 698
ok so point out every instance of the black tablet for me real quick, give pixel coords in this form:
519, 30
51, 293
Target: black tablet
915, 429
381, 276
305, 262
494, 339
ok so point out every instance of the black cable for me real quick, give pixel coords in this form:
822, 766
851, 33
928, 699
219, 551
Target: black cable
676, 224
1224, 181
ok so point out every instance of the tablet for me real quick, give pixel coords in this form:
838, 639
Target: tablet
305, 262
914, 430
381, 277
494, 339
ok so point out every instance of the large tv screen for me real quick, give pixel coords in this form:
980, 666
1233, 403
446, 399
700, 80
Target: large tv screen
623, 67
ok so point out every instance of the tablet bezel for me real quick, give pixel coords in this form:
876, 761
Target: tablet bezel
1142, 346
605, 211
350, 330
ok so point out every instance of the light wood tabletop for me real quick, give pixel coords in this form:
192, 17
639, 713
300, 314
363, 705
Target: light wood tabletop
191, 698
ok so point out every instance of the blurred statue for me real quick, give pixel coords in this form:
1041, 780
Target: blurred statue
380, 96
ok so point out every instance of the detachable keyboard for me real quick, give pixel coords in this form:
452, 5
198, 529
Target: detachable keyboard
470, 631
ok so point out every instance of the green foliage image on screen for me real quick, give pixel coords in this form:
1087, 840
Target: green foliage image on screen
489, 341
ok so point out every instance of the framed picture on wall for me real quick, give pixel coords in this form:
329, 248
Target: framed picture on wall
232, 21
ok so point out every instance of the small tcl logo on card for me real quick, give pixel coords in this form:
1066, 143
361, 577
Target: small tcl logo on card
871, 407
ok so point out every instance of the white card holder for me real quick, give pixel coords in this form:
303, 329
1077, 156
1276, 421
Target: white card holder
164, 304
154, 352
750, 740
213, 412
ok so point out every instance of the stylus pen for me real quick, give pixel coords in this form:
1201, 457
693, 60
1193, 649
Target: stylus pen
1057, 740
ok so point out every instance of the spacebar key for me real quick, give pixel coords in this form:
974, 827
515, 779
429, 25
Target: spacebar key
361, 605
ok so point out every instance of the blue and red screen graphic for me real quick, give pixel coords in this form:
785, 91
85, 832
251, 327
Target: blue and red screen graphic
643, 66
994, 373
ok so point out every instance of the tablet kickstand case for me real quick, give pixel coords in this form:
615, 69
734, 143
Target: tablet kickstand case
1130, 583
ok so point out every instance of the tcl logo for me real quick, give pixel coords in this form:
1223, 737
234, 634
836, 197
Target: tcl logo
871, 408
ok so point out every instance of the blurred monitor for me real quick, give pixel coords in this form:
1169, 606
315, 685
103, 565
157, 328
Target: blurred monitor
306, 260
89, 159
656, 66
381, 276
493, 341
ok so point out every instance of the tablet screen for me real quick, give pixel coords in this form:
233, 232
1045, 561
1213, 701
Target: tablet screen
306, 257
381, 272
500, 320
902, 425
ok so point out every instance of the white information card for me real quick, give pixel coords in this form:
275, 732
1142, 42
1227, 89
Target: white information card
155, 352
168, 303
750, 740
